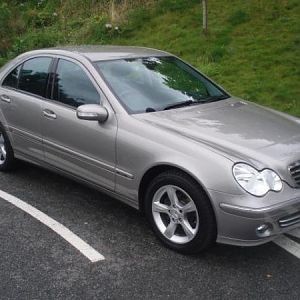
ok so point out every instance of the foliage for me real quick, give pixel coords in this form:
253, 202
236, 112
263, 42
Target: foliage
5, 16
252, 47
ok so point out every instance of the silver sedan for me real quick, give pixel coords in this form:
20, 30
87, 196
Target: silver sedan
151, 130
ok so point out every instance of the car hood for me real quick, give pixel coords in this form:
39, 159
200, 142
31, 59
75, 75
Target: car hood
240, 130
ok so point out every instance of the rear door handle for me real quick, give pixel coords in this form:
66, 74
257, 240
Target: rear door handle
5, 98
49, 114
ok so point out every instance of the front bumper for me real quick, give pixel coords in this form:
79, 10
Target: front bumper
240, 216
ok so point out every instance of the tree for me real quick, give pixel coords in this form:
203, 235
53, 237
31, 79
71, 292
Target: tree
205, 16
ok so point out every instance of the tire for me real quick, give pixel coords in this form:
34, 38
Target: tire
180, 213
7, 159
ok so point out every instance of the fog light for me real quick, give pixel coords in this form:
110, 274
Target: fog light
264, 230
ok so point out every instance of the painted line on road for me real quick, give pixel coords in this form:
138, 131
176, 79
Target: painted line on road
288, 245
60, 229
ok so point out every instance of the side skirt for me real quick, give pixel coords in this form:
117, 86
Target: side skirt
42, 164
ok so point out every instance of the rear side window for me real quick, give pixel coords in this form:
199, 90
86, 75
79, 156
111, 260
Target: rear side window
11, 79
34, 75
72, 85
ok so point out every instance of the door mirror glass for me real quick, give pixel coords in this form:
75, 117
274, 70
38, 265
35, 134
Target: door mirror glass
92, 112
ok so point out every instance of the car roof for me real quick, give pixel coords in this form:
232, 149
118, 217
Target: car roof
98, 53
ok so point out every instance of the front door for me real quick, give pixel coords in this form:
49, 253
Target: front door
82, 148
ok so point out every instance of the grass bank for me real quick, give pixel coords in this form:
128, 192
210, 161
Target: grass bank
252, 47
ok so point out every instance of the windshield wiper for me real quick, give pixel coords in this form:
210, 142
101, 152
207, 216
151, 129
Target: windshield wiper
150, 109
214, 98
193, 102
180, 104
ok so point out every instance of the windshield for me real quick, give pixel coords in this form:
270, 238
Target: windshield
157, 83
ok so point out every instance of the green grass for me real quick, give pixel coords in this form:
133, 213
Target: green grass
252, 47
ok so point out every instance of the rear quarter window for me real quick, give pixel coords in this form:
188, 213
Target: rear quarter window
11, 80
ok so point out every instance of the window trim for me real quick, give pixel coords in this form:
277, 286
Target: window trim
49, 81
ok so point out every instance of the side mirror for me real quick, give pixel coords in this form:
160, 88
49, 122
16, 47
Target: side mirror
92, 112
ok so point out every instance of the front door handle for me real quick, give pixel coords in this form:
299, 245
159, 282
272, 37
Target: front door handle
5, 98
49, 114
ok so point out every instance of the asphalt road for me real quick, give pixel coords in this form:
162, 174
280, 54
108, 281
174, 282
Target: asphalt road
36, 263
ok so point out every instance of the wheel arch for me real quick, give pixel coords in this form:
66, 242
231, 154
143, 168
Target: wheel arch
158, 169
5, 127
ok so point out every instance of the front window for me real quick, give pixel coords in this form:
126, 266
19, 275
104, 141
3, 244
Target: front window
72, 85
157, 83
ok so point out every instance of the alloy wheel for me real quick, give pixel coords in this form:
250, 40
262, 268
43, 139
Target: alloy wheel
175, 214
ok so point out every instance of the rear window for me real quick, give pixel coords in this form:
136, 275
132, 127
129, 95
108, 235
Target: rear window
34, 75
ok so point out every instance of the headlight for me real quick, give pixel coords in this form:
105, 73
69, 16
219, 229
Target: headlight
255, 182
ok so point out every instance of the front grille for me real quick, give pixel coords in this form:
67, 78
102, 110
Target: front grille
295, 172
289, 220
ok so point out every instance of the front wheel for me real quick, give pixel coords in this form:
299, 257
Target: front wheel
180, 213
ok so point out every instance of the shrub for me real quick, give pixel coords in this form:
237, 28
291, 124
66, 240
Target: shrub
39, 19
36, 40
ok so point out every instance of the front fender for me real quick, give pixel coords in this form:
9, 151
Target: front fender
140, 148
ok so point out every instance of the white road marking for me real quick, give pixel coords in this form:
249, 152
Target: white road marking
295, 233
288, 245
60, 229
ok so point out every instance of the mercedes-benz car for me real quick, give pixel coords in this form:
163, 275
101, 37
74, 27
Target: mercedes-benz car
152, 131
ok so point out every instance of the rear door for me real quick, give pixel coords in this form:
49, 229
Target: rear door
82, 148
22, 92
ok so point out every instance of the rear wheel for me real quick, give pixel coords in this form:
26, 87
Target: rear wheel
7, 159
180, 212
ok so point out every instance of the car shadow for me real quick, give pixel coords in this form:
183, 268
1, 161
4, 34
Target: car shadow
126, 224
